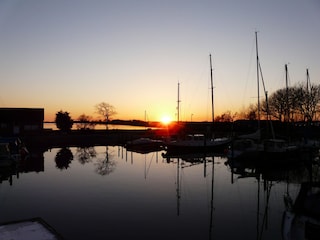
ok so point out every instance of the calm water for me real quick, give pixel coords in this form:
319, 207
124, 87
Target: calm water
53, 126
109, 193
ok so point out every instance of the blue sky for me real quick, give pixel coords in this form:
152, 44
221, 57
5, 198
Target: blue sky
71, 55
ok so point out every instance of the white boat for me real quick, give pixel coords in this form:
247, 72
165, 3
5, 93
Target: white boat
35, 229
144, 145
195, 157
197, 143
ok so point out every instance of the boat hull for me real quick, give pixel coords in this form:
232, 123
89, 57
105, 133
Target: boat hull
35, 228
144, 145
219, 146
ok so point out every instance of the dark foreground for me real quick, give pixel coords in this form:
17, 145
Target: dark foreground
51, 139
107, 192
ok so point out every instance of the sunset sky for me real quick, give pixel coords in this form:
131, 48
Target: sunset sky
73, 54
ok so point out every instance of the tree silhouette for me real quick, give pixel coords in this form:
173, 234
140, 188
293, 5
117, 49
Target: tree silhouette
107, 165
297, 102
85, 154
63, 158
106, 111
85, 122
63, 121
226, 117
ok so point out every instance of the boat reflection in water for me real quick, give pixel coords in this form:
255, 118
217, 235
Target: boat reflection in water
187, 160
301, 218
144, 145
104, 192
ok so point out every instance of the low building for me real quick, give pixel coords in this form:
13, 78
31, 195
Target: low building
21, 121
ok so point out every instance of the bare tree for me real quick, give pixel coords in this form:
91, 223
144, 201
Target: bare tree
252, 112
309, 102
107, 165
106, 110
295, 103
85, 122
85, 154
226, 117
277, 104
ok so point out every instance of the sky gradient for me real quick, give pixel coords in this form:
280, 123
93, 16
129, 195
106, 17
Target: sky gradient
72, 55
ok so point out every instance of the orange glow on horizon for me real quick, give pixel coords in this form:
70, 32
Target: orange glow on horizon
166, 119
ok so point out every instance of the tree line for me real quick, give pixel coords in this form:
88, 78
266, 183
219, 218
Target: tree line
298, 103
292, 104
64, 122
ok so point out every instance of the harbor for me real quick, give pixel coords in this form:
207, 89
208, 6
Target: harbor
159, 120
109, 191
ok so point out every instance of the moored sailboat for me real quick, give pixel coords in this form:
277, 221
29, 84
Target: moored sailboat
198, 142
249, 146
252, 145
274, 148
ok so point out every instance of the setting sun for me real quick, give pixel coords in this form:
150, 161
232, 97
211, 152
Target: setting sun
166, 119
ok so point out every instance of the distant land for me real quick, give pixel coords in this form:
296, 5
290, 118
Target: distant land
121, 122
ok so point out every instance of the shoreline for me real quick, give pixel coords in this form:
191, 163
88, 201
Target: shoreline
52, 139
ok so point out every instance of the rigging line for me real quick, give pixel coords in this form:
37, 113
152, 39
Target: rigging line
208, 102
197, 90
210, 95
260, 70
279, 83
175, 165
289, 80
266, 99
209, 183
249, 70
147, 171
266, 209
205, 179
211, 87
308, 81
186, 187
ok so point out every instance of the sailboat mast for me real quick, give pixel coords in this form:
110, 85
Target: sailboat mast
178, 187
211, 78
178, 103
258, 81
287, 95
309, 116
145, 118
308, 81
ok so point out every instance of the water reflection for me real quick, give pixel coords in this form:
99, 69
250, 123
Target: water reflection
301, 220
33, 163
295, 217
189, 160
106, 165
155, 196
63, 158
85, 154
7, 173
